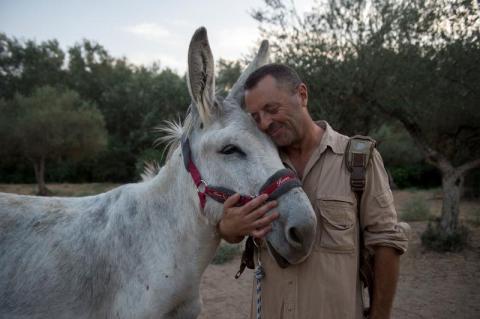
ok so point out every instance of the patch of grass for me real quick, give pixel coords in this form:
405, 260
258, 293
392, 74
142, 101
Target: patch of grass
416, 209
226, 252
434, 238
62, 190
93, 189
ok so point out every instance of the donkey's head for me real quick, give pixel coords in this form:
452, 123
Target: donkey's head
231, 152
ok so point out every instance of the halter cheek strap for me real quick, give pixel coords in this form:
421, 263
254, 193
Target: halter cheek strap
275, 186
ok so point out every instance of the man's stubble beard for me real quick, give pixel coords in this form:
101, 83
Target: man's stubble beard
287, 139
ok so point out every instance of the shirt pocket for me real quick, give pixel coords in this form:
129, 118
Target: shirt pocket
337, 225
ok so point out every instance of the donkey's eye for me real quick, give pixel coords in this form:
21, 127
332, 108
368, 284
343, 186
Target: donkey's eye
232, 149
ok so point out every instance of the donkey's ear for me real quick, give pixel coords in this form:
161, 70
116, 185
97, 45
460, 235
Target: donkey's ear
201, 77
260, 59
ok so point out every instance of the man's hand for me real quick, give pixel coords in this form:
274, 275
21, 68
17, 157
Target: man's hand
249, 219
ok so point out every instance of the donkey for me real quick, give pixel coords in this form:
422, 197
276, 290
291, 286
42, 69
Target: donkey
139, 251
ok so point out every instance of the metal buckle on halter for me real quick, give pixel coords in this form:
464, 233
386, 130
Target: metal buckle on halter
200, 188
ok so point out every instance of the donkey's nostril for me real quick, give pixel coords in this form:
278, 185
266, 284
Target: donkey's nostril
295, 236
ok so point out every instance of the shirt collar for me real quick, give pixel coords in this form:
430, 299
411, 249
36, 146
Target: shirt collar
331, 139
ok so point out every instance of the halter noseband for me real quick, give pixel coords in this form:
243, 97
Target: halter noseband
278, 184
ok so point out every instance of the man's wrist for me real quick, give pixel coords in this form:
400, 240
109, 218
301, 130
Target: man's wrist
230, 239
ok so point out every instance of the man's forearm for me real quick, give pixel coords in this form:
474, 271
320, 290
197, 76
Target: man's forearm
386, 271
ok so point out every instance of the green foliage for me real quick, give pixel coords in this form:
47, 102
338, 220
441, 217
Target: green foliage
419, 175
416, 61
148, 156
369, 61
416, 209
227, 74
117, 164
436, 239
474, 217
403, 158
54, 124
132, 101
25, 66
225, 253
472, 184
48, 125
365, 62
395, 145
14, 169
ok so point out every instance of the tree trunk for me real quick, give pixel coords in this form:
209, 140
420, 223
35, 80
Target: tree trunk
452, 183
452, 177
39, 166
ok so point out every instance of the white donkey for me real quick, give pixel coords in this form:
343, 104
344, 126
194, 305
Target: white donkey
139, 250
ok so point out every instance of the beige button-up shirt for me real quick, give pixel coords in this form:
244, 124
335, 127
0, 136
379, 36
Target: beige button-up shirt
327, 284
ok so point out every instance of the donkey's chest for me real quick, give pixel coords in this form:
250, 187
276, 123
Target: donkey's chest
163, 294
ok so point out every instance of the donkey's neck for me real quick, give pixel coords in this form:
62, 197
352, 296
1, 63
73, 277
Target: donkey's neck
173, 190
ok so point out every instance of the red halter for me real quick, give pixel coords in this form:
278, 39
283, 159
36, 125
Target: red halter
275, 186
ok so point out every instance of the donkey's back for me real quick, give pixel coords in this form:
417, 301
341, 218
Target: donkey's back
59, 257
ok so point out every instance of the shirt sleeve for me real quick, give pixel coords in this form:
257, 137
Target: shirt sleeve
377, 212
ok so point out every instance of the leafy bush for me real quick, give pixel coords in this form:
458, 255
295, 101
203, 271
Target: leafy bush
396, 145
435, 239
471, 188
415, 175
147, 156
225, 253
416, 209
474, 217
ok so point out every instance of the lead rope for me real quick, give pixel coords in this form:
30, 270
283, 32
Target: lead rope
259, 274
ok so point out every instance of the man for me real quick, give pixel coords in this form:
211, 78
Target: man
327, 284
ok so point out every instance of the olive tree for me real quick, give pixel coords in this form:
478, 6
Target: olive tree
48, 125
416, 61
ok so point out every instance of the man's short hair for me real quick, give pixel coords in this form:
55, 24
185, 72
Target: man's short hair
283, 74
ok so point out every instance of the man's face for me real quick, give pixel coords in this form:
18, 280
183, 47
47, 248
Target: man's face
276, 110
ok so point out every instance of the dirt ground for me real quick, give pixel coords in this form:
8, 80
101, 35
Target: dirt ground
431, 285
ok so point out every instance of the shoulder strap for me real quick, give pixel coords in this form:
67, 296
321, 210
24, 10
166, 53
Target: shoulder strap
357, 156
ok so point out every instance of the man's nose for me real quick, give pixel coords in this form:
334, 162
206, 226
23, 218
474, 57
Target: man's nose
265, 121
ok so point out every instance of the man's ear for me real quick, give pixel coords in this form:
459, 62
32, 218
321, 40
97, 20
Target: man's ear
303, 94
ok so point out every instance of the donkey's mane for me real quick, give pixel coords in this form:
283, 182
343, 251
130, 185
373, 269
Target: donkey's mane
172, 132
171, 135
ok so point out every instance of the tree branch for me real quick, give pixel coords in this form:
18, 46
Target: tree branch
431, 156
468, 166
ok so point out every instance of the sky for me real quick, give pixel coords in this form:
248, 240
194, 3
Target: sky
144, 31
